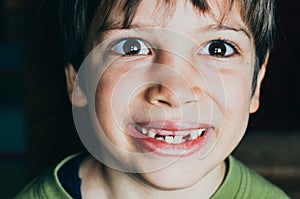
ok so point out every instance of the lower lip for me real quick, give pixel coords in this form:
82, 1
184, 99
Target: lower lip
147, 144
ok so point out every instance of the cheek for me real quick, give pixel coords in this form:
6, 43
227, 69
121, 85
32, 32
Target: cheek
115, 94
237, 89
109, 89
237, 110
103, 96
238, 97
105, 105
237, 86
110, 113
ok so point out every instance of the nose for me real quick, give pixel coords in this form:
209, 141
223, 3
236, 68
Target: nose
175, 82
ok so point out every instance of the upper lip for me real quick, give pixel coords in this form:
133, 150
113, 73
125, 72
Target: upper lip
174, 126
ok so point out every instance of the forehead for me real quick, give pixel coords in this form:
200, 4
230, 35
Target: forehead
167, 14
185, 14
118, 14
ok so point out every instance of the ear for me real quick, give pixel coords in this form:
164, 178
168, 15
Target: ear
254, 105
76, 95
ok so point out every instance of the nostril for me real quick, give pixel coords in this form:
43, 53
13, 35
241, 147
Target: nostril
191, 101
160, 95
163, 102
160, 102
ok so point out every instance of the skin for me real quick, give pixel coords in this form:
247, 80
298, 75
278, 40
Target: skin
210, 90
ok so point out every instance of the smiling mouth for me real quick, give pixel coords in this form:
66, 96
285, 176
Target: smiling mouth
172, 136
171, 139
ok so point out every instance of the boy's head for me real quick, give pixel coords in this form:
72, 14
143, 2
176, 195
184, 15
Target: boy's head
169, 83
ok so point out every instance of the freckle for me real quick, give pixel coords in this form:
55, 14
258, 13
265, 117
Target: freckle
197, 91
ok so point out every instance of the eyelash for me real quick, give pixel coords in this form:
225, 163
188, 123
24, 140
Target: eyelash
226, 43
142, 44
142, 48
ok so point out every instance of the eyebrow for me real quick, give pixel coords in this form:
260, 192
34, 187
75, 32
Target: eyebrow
213, 27
219, 27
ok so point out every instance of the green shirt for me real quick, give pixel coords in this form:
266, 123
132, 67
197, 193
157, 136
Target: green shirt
240, 183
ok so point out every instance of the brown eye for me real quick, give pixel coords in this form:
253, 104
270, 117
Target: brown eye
218, 48
131, 46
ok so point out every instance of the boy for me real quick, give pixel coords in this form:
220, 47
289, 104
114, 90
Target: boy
169, 86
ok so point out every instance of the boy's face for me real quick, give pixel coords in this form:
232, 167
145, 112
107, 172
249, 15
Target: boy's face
173, 94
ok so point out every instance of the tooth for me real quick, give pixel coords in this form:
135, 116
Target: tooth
169, 139
200, 132
182, 133
151, 133
160, 138
194, 134
144, 131
177, 139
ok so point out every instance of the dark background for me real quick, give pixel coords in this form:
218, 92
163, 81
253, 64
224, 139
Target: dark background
36, 126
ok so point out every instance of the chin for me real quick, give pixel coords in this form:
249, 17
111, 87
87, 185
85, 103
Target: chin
171, 178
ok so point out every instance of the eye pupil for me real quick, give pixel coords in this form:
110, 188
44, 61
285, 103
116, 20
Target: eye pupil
217, 49
131, 47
